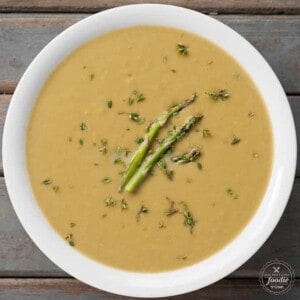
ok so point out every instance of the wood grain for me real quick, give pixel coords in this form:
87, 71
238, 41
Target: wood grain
71, 289
207, 6
19, 257
276, 37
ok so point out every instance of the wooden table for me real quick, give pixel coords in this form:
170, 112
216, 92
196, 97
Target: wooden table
272, 26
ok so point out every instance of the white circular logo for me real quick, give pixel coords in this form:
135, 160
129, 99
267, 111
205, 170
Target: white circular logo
277, 277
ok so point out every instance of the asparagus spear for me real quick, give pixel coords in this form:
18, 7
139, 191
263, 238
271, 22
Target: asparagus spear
152, 159
186, 157
149, 137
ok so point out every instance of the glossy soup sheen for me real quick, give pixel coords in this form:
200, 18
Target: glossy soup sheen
81, 118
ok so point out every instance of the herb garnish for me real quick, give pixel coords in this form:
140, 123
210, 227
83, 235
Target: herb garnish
255, 155
219, 95
106, 180
161, 225
186, 157
235, 140
110, 201
70, 139
83, 126
189, 220
136, 118
70, 239
163, 165
231, 193
124, 204
92, 76
47, 181
173, 71
72, 224
171, 210
206, 132
182, 49
135, 96
109, 103
139, 140
251, 114
103, 149
182, 257
55, 188
199, 166
143, 210
104, 216
81, 142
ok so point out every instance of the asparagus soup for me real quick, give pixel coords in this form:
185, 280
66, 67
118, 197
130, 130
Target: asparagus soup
149, 149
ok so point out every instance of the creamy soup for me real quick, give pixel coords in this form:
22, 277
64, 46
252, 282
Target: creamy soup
91, 118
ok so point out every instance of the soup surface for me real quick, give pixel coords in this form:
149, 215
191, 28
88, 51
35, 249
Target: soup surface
88, 122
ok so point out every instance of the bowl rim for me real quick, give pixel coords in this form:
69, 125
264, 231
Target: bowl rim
189, 278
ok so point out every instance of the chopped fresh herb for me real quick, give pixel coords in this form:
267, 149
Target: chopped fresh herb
136, 118
70, 139
81, 142
189, 220
55, 188
235, 140
251, 114
139, 140
219, 95
102, 150
171, 210
72, 224
130, 100
110, 201
182, 49
103, 142
173, 71
163, 165
92, 76
199, 166
139, 96
109, 103
106, 180
135, 96
161, 225
186, 157
119, 160
182, 257
47, 181
255, 155
104, 216
237, 76
70, 240
124, 205
83, 126
231, 193
143, 210
119, 150
206, 132
165, 59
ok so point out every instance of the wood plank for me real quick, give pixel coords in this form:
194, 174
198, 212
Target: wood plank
19, 257
276, 37
208, 6
71, 289
294, 102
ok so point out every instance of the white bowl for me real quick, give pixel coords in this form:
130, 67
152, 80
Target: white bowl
186, 279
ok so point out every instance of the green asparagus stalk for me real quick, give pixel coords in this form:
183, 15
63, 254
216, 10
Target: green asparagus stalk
152, 159
149, 137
